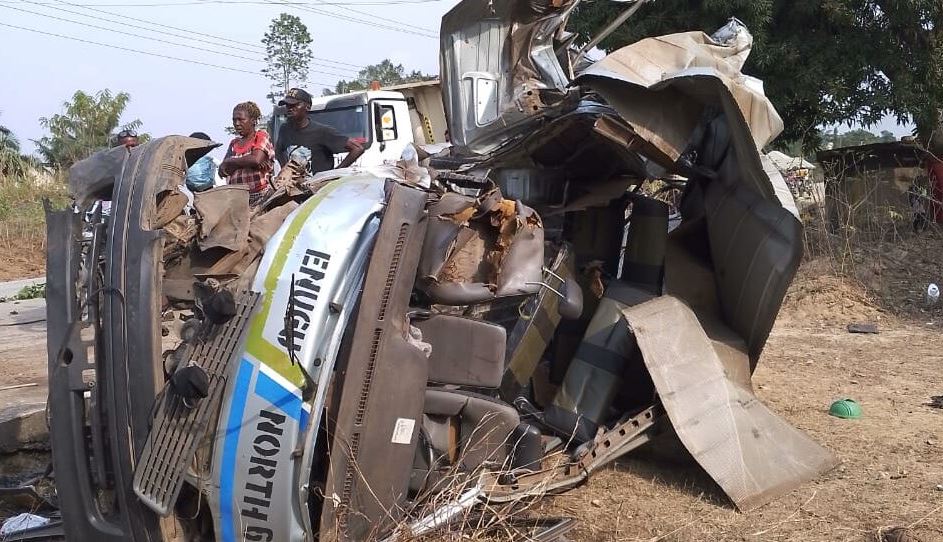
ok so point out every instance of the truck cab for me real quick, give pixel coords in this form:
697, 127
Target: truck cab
379, 120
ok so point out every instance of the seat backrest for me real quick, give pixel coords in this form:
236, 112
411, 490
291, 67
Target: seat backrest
755, 246
465, 351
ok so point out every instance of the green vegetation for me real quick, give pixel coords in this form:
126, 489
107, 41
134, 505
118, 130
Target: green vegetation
385, 72
22, 218
823, 63
287, 54
87, 125
13, 163
35, 291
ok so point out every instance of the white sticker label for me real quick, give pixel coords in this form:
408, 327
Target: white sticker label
403, 431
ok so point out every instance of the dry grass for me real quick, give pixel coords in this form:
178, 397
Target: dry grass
890, 468
23, 225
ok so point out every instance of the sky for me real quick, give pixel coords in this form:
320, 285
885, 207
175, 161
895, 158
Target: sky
41, 71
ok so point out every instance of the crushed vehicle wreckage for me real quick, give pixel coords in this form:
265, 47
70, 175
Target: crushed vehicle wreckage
369, 353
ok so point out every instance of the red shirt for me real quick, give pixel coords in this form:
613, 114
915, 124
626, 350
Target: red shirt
257, 179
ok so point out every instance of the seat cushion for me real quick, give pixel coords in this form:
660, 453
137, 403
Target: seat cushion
484, 426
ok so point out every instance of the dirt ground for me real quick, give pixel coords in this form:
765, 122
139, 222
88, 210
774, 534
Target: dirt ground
891, 470
22, 258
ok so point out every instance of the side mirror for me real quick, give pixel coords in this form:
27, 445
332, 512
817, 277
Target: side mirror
384, 123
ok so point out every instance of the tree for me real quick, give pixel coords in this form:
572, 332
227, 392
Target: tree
385, 72
841, 61
853, 138
287, 53
88, 124
12, 162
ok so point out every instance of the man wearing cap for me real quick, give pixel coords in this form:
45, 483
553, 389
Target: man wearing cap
321, 140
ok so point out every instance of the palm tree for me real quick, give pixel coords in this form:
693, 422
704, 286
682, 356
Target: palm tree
12, 162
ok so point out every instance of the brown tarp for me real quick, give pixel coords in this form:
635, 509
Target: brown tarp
224, 214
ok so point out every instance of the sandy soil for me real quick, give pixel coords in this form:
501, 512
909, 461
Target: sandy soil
891, 471
22, 258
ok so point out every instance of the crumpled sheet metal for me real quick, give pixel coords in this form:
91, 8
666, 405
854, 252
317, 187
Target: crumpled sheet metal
408, 173
780, 188
752, 453
479, 249
224, 217
677, 61
500, 56
170, 205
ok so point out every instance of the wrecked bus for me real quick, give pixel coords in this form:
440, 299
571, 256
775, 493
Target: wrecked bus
372, 353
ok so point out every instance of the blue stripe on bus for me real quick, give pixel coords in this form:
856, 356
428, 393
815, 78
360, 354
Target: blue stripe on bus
286, 401
230, 446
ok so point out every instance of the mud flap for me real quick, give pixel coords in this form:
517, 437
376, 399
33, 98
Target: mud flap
753, 454
382, 389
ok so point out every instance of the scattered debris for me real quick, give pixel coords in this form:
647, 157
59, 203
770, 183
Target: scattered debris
897, 534
862, 328
22, 522
18, 386
418, 308
933, 294
936, 401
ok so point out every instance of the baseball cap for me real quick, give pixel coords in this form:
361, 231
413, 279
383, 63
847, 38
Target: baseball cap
295, 95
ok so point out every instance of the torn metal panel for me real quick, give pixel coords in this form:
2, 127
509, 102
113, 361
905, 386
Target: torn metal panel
755, 246
657, 63
753, 454
780, 188
219, 262
500, 69
170, 205
666, 88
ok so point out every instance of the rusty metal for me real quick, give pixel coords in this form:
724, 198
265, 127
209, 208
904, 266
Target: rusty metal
609, 445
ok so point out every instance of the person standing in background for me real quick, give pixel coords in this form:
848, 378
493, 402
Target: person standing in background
321, 140
250, 157
127, 138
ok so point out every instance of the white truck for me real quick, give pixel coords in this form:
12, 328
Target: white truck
383, 121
